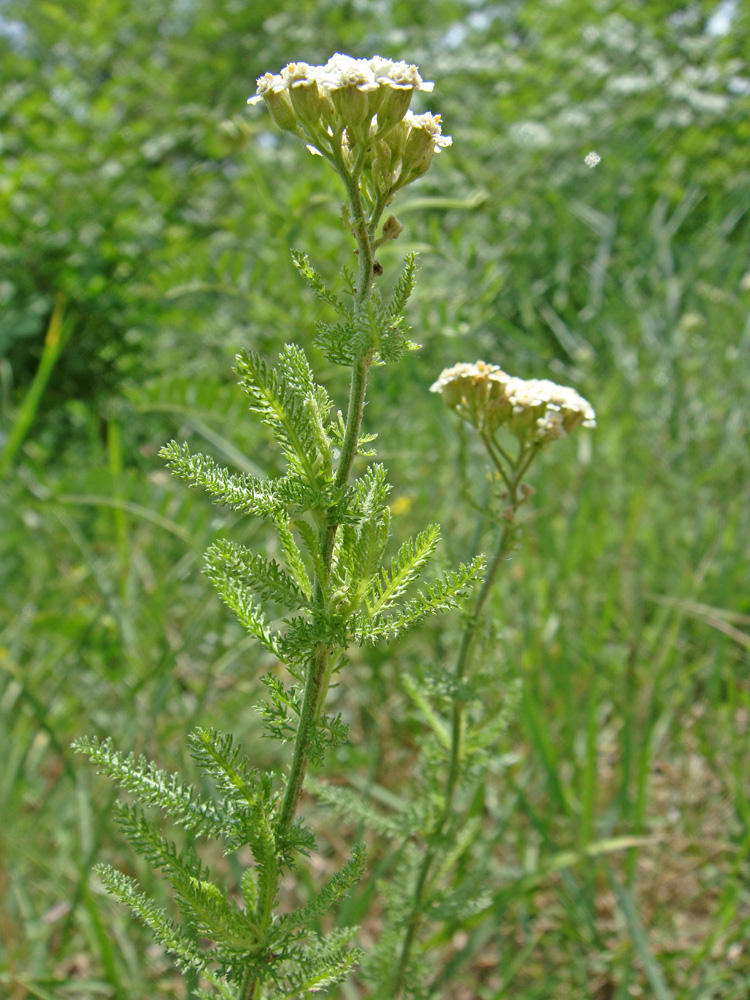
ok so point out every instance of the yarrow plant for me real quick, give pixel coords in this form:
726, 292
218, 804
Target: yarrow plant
333, 588
515, 419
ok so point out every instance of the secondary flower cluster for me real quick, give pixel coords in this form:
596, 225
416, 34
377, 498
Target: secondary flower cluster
536, 411
355, 112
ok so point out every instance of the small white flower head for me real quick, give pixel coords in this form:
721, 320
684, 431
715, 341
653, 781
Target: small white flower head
398, 75
344, 71
543, 411
477, 393
413, 144
267, 84
592, 159
272, 88
431, 125
536, 411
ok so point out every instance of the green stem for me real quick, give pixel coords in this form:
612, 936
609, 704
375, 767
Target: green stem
316, 670
318, 675
505, 544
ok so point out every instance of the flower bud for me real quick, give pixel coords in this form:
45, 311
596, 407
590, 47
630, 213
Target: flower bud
395, 141
281, 110
477, 393
425, 138
536, 411
273, 91
375, 99
351, 104
327, 111
418, 153
307, 102
394, 105
392, 228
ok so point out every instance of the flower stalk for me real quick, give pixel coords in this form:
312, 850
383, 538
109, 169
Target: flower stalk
535, 412
315, 686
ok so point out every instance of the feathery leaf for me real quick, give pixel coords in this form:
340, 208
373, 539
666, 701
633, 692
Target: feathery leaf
155, 787
185, 952
405, 567
264, 576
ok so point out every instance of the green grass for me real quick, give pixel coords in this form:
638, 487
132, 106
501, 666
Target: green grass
617, 842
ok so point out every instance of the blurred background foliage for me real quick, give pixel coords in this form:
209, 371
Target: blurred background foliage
146, 217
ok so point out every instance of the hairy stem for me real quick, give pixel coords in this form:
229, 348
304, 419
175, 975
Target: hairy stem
316, 670
318, 675
504, 546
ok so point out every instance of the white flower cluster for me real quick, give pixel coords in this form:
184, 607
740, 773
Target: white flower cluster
356, 111
366, 75
536, 411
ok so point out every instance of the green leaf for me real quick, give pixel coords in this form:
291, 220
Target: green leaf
185, 952
322, 962
311, 541
332, 892
294, 561
293, 407
156, 849
241, 492
314, 280
404, 286
264, 576
352, 804
226, 764
436, 598
405, 568
238, 596
155, 787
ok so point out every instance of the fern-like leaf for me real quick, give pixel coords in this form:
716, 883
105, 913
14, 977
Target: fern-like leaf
404, 286
290, 405
353, 805
294, 561
156, 849
438, 597
226, 764
311, 541
264, 576
153, 786
324, 962
405, 567
420, 697
314, 280
332, 892
185, 952
206, 909
250, 793
238, 491
238, 596
336, 342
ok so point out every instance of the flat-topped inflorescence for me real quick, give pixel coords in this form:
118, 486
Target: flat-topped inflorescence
536, 411
379, 80
356, 113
